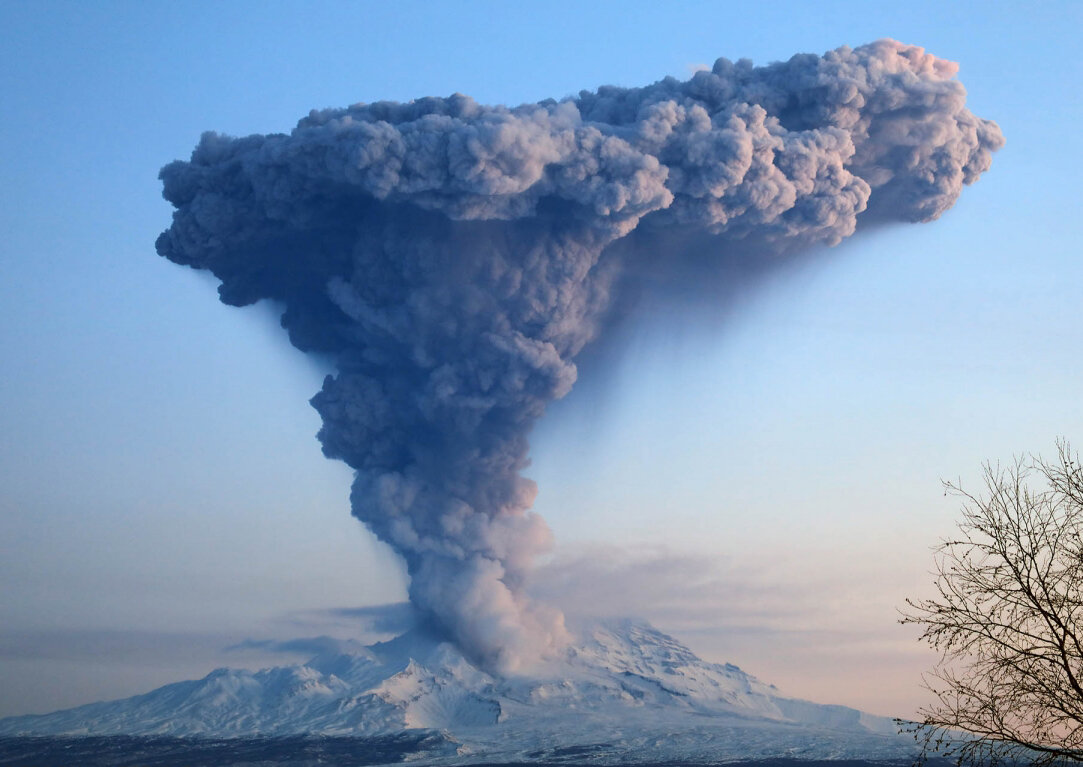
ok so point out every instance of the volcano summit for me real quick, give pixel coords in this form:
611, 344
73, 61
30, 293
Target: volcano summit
624, 692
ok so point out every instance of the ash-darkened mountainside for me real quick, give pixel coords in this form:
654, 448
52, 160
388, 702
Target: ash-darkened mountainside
453, 259
622, 692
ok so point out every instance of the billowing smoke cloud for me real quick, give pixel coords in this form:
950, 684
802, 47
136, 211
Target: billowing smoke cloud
453, 260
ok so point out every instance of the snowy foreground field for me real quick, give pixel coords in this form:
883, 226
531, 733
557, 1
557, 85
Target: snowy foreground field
624, 694
304, 751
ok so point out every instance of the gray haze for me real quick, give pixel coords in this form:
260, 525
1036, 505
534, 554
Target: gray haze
453, 259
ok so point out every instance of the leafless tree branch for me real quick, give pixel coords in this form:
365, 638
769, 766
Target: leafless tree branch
1006, 620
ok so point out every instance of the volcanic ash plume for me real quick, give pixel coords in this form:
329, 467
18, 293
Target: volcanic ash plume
452, 259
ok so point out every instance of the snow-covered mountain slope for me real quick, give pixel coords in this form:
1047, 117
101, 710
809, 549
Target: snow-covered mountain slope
624, 691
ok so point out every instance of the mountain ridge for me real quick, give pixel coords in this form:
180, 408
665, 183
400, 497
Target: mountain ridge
624, 690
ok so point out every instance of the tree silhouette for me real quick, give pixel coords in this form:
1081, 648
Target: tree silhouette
1008, 620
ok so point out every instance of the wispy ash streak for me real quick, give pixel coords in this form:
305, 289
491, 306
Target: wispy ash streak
452, 259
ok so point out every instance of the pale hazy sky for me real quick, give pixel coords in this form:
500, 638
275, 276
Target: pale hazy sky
761, 479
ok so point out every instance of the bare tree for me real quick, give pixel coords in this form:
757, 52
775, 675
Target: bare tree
1008, 620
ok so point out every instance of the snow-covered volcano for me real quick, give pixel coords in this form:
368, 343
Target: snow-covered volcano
624, 691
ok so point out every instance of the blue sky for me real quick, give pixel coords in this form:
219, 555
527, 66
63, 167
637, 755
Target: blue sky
771, 467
